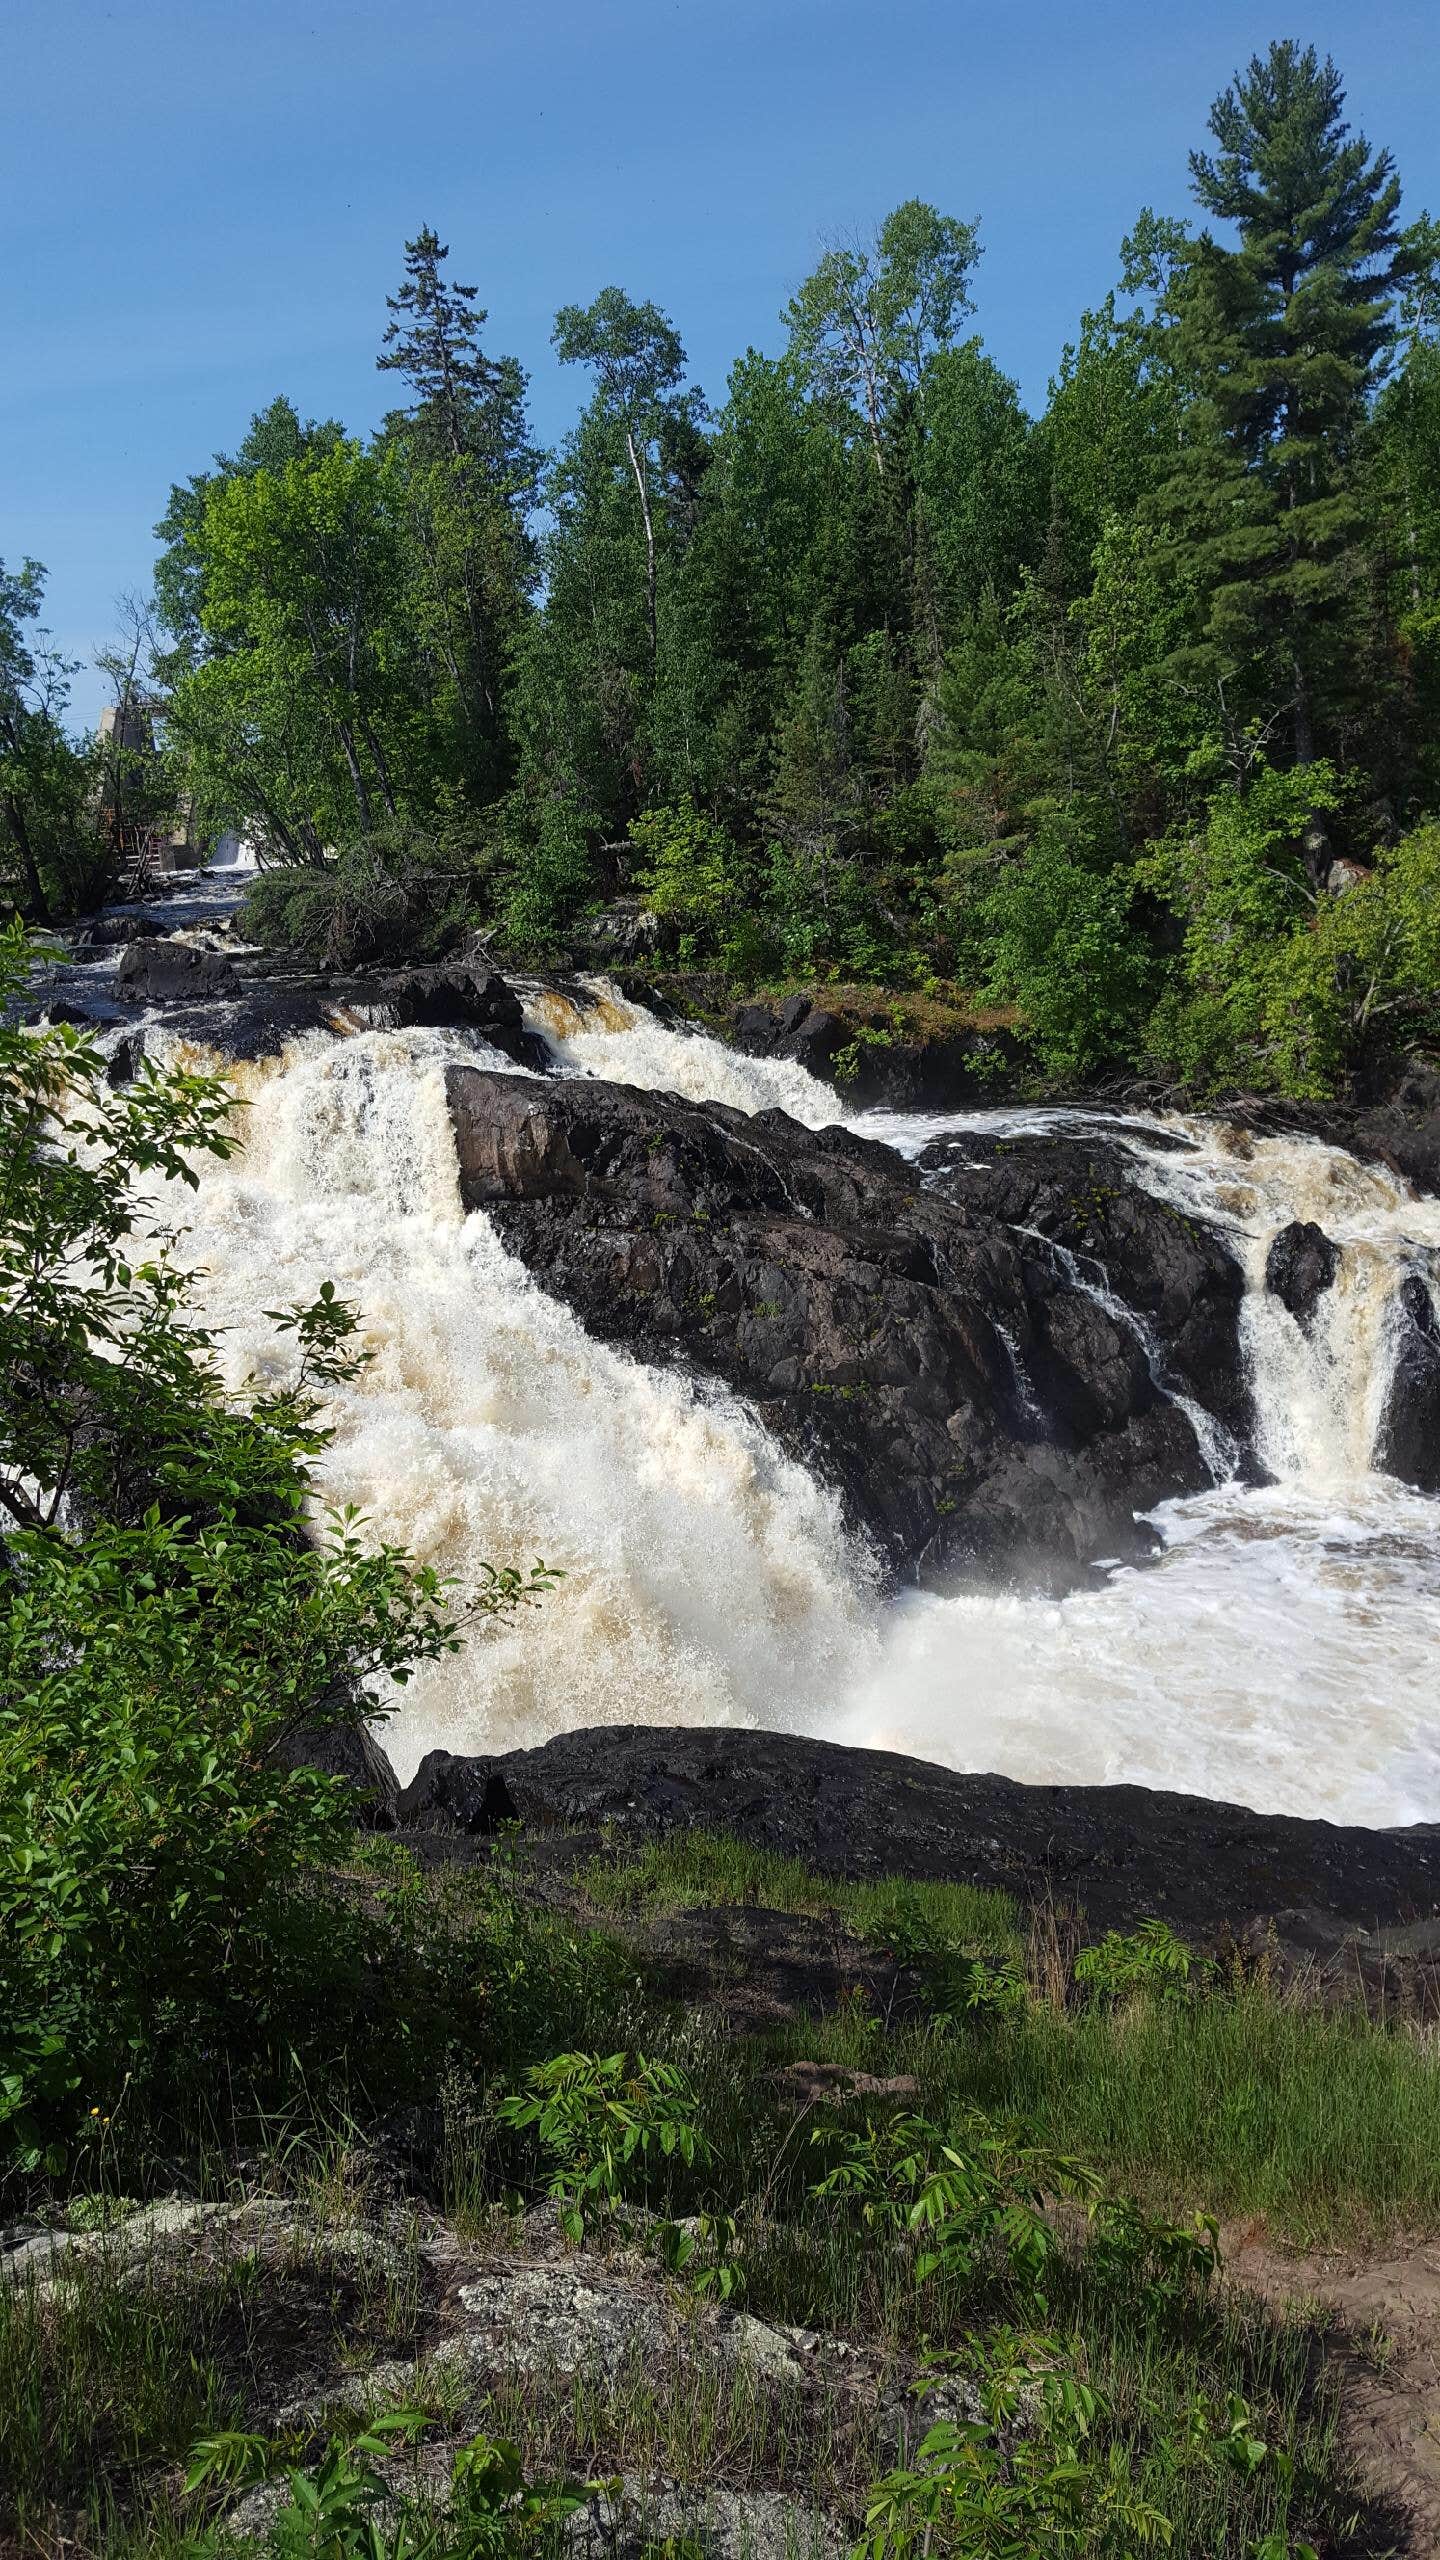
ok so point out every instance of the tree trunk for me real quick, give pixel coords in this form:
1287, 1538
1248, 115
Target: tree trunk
33, 884
642, 486
382, 770
356, 771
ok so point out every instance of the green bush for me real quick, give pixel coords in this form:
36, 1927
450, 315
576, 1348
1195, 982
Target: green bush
1059, 939
169, 1622
399, 895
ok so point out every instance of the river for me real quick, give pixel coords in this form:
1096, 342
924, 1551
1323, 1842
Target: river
1279, 1652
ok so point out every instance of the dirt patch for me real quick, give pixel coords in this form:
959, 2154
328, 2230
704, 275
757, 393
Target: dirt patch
1384, 2347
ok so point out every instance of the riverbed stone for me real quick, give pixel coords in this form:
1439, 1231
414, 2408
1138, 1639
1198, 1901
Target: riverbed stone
1300, 1267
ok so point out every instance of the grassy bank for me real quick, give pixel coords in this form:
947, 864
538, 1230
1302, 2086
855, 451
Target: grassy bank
995, 2187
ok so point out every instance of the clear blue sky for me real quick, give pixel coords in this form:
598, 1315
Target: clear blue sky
204, 201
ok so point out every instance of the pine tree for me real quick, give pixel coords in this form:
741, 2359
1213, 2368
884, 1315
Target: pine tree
433, 339
472, 474
1284, 337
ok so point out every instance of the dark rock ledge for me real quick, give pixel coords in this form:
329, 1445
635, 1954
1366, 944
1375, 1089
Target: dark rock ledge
938, 1341
1218, 1873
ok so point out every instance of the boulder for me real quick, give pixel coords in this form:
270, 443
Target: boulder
863, 1054
621, 935
1408, 1442
1300, 1267
972, 1403
350, 1752
167, 973
452, 996
109, 933
1403, 1130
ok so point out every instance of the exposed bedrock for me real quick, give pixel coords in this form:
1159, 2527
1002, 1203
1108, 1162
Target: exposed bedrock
974, 1405
1402, 1129
1408, 1443
873, 1063
1300, 1267
1123, 1853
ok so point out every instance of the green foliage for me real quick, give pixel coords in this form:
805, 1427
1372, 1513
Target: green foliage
167, 1623
1281, 982
1151, 1959
865, 323
601, 2120
1063, 945
57, 852
399, 894
549, 879
695, 880
1013, 2486
880, 679
982, 2190
330, 2510
1034, 2476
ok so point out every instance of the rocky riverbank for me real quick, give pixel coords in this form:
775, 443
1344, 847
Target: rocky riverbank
1358, 1908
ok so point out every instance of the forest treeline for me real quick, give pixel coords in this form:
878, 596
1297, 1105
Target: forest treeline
1123, 716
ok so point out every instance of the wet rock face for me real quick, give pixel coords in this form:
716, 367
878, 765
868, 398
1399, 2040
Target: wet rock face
1300, 1267
1408, 1443
1099, 1236
250, 1007
1403, 1131
173, 972
973, 1406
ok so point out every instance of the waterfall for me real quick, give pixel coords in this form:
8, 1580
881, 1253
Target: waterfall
1280, 1651
613, 1037
707, 1578
1320, 1391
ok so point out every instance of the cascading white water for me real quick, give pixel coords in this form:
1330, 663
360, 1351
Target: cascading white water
1319, 1391
708, 1578
1280, 1651
613, 1037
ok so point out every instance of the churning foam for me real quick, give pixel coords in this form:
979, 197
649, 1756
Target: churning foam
708, 1579
1281, 1650
614, 1038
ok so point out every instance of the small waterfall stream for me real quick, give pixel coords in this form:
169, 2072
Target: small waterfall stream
1280, 1652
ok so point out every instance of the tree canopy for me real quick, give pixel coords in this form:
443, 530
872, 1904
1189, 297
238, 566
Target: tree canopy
954, 695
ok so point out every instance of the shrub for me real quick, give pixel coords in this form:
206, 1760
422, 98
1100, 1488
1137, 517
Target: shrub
601, 2119
1151, 1960
399, 895
168, 1622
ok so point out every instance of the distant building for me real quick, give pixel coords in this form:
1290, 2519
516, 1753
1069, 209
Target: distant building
153, 846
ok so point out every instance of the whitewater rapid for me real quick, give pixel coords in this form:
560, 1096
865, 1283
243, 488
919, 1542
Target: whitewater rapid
1280, 1652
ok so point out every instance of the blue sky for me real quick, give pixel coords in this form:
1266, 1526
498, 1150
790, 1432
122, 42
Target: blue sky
204, 201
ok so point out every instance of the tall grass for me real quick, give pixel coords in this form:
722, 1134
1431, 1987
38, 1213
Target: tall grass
1322, 2123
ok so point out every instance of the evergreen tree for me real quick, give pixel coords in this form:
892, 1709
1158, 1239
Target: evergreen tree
472, 476
467, 404
1285, 335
